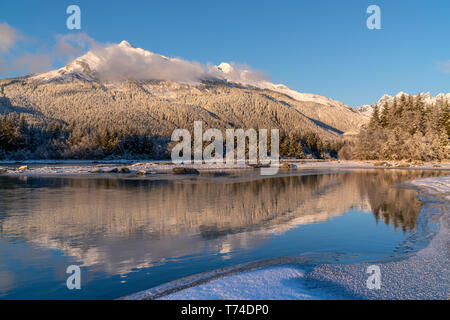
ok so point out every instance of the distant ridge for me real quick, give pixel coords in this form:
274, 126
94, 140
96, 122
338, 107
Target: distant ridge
366, 110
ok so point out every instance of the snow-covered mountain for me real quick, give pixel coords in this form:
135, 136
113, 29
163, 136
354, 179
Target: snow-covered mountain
122, 61
125, 87
366, 110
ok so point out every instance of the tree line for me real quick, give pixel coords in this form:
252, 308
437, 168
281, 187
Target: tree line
408, 128
24, 140
20, 140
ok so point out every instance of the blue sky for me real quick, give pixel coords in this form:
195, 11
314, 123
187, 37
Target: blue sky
320, 46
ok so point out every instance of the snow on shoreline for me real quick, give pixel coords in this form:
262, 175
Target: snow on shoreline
437, 185
80, 167
72, 167
420, 275
278, 282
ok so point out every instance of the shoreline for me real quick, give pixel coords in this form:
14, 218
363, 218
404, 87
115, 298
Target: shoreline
421, 272
148, 168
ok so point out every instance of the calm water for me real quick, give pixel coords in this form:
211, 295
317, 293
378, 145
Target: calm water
130, 234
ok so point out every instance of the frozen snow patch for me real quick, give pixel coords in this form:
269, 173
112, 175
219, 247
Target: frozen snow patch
279, 282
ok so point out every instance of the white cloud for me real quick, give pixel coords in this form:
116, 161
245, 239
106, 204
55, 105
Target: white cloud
30, 63
67, 48
120, 62
444, 66
8, 37
116, 62
72, 45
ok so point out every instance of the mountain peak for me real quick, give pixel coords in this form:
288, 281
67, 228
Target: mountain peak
118, 62
126, 44
225, 67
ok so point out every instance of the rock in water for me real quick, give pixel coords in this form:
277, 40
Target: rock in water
181, 170
403, 165
259, 165
382, 164
287, 165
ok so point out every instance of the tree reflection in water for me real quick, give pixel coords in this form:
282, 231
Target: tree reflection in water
122, 224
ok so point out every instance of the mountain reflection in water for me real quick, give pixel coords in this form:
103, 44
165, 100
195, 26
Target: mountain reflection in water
119, 225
